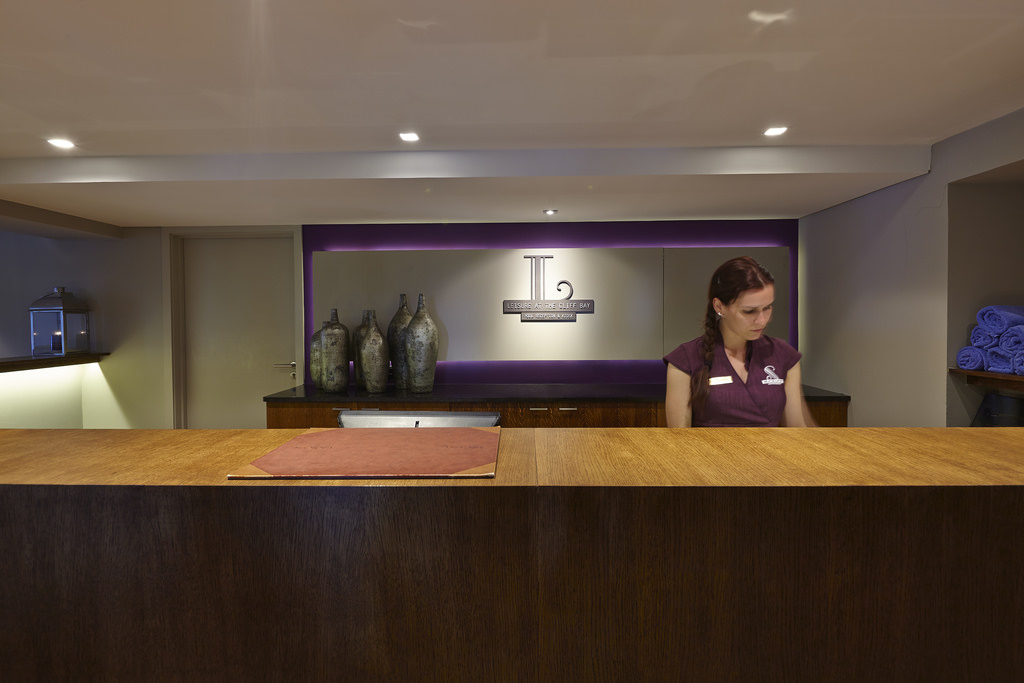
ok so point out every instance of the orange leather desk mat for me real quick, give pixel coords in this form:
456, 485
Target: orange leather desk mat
371, 453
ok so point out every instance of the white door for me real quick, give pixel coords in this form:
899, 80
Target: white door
239, 322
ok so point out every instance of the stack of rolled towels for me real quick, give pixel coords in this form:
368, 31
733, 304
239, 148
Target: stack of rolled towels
997, 341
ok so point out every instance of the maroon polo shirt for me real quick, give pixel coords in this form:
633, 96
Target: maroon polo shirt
760, 401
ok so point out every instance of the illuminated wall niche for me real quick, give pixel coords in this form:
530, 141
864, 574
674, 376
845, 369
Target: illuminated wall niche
646, 279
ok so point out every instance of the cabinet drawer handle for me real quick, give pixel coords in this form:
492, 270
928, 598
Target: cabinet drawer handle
568, 408
538, 408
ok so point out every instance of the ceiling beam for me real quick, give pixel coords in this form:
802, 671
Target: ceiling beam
909, 161
44, 223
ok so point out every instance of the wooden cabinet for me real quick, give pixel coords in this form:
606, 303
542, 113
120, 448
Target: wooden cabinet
288, 415
577, 413
300, 414
828, 413
630, 406
580, 414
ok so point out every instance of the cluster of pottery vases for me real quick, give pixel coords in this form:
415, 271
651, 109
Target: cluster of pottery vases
408, 349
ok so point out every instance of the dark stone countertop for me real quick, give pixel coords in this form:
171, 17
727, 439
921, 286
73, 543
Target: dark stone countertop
454, 393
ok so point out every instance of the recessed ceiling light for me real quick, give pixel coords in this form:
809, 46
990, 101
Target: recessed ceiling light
775, 130
550, 212
61, 142
409, 137
769, 18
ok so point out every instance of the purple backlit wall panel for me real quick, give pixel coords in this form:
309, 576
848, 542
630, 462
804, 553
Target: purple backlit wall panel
664, 234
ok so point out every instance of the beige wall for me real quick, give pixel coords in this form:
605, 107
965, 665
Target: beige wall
874, 318
50, 398
646, 301
464, 290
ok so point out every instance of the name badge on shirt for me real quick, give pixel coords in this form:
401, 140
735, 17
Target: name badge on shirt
725, 379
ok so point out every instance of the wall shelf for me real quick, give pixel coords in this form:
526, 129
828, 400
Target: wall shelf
993, 380
30, 363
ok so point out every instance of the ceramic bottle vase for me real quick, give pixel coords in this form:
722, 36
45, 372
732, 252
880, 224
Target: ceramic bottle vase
373, 356
316, 365
421, 349
357, 338
334, 344
396, 344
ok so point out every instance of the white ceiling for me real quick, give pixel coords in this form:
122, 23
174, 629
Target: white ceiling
283, 112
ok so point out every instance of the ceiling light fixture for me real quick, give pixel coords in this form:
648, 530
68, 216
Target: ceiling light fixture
775, 131
61, 142
409, 137
550, 212
769, 18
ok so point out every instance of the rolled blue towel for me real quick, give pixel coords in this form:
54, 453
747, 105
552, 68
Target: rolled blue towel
1013, 339
983, 339
997, 360
970, 358
996, 319
1018, 363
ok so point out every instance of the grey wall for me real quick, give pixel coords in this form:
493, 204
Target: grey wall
121, 279
874, 313
986, 267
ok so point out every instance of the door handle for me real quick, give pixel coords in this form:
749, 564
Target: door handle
287, 365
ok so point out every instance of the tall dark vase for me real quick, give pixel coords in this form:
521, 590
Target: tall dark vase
357, 339
373, 356
335, 347
421, 342
316, 356
396, 344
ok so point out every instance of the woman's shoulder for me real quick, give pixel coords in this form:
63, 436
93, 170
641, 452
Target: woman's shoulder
693, 346
686, 356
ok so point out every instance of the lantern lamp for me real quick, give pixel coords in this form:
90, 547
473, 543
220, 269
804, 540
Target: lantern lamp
59, 324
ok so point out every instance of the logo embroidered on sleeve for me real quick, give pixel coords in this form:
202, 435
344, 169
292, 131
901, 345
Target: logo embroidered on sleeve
772, 379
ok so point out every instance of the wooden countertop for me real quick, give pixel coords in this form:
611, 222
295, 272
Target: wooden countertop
552, 457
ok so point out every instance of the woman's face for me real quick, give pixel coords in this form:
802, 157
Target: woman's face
746, 317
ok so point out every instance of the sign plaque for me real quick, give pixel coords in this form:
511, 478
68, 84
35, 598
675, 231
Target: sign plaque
537, 309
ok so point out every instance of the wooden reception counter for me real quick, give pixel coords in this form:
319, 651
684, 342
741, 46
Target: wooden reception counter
592, 555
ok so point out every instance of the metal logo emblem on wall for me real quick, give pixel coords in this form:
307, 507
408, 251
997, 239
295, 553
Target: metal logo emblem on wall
537, 309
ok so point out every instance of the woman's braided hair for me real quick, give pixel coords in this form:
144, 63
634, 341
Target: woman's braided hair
730, 280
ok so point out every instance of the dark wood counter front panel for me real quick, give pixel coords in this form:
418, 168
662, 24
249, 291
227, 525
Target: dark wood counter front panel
593, 555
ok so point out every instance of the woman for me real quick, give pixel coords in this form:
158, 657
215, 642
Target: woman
735, 375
